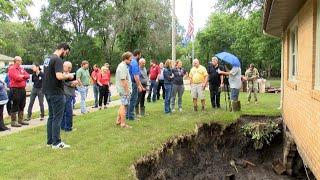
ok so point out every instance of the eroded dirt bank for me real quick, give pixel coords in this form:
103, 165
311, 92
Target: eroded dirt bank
208, 152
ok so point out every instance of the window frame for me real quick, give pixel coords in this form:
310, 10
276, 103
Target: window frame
293, 30
317, 60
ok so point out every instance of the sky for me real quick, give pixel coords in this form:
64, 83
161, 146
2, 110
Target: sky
201, 11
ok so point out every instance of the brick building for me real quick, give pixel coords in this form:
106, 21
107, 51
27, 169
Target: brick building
297, 23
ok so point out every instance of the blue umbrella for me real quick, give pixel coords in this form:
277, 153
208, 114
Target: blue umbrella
229, 58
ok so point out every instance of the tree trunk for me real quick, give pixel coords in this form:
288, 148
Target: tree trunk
269, 71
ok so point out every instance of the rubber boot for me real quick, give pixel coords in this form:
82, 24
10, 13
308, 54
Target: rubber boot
14, 120
2, 126
195, 108
20, 119
28, 117
236, 106
142, 111
137, 112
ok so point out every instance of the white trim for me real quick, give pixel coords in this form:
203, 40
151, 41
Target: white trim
293, 31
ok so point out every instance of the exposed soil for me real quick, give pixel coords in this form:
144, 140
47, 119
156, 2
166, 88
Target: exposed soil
207, 153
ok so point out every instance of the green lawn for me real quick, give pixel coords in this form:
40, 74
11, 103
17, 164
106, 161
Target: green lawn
102, 150
276, 82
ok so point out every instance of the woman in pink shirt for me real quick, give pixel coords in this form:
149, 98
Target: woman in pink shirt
103, 82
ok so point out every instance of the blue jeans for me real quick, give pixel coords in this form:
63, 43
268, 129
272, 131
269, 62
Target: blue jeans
66, 123
153, 90
56, 105
234, 94
96, 94
168, 91
133, 102
83, 93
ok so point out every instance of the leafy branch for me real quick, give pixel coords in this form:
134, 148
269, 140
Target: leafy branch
261, 133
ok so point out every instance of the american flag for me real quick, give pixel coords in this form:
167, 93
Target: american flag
190, 26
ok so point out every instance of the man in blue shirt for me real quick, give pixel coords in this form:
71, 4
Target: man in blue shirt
134, 71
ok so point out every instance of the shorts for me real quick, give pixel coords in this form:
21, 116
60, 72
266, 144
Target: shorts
125, 100
197, 91
234, 94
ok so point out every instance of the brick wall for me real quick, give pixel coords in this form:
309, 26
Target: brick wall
301, 103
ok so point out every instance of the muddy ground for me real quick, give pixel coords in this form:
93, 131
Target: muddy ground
207, 153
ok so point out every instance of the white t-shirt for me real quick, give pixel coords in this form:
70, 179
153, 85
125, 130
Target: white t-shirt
235, 78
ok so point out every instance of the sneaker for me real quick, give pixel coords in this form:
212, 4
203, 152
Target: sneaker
125, 126
42, 118
173, 110
61, 145
180, 109
4, 128
70, 130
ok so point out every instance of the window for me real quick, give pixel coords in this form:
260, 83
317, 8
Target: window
293, 52
317, 60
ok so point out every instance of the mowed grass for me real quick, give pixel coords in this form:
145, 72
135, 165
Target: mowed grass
275, 83
102, 150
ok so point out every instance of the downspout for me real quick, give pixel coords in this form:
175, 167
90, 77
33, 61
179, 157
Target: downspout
282, 78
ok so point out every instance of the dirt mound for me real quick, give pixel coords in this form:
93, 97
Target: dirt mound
208, 152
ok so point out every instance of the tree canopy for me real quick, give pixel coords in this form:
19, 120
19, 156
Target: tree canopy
101, 30
240, 34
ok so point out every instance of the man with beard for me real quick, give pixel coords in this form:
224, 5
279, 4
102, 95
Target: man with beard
54, 93
134, 71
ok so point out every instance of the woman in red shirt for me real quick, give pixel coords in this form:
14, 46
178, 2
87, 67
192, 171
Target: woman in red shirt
103, 82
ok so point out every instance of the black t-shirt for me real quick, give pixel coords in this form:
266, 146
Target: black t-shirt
214, 76
178, 73
37, 80
51, 85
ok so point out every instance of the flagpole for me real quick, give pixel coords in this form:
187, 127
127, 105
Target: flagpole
192, 47
192, 37
173, 31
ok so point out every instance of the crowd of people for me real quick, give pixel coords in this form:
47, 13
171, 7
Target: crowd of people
134, 84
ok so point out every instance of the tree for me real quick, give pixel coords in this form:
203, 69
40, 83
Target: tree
9, 8
218, 35
243, 7
101, 30
243, 37
21, 39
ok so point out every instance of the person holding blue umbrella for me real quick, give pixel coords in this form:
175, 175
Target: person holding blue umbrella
234, 76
